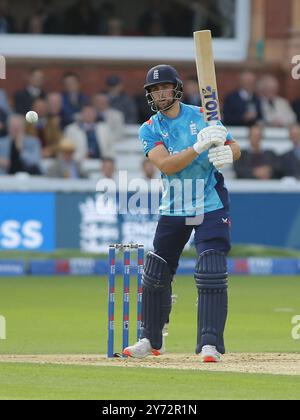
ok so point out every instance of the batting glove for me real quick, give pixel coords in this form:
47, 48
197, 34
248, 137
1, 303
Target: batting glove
220, 156
210, 136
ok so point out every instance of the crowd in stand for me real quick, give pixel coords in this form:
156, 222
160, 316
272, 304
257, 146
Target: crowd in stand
73, 127
159, 18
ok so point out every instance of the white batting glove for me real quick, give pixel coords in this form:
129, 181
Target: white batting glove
220, 156
210, 136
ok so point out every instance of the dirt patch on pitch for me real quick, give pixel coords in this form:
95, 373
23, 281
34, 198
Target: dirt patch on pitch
265, 363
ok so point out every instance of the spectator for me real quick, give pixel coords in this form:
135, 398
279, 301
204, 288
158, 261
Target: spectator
182, 12
25, 98
91, 139
4, 112
81, 19
154, 20
65, 165
6, 21
73, 98
52, 22
113, 117
48, 128
277, 111
34, 24
3, 117
19, 152
296, 108
120, 100
149, 170
143, 109
243, 107
191, 92
55, 107
54, 103
291, 160
257, 163
107, 12
37, 130
43, 20
114, 27
108, 168
4, 106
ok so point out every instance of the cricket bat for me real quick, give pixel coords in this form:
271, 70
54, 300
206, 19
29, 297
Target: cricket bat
207, 76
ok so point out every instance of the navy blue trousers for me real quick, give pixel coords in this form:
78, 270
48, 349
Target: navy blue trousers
172, 234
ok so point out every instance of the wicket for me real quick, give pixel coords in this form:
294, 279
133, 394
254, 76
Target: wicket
126, 249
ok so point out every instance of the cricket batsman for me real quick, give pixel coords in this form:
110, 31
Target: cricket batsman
182, 146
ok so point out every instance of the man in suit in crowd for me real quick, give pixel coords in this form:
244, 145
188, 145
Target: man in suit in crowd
243, 107
120, 100
34, 90
72, 98
92, 140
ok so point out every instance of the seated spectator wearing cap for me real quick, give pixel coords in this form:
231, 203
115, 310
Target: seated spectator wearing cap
113, 117
296, 108
72, 97
19, 152
91, 139
257, 163
243, 107
120, 100
277, 112
65, 165
291, 160
34, 90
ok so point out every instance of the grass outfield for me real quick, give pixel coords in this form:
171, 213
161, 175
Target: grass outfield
68, 315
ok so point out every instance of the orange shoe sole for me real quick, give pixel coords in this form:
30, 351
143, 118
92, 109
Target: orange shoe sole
155, 352
210, 360
127, 353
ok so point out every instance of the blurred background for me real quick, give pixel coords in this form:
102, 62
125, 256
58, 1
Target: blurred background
81, 66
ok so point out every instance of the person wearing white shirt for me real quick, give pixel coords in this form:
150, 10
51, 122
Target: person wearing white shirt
277, 112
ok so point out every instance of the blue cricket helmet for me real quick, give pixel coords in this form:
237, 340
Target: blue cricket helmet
163, 73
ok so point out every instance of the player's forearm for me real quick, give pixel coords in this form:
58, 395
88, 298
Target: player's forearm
176, 163
236, 150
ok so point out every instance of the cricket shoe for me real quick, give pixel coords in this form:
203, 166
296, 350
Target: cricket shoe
210, 354
142, 349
